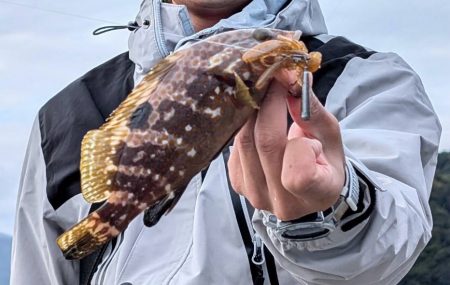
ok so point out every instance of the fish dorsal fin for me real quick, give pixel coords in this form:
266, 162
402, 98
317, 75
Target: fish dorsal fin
121, 115
101, 149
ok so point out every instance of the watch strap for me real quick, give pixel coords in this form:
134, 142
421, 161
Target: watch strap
351, 189
320, 224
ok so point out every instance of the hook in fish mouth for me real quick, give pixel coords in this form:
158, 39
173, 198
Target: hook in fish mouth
299, 57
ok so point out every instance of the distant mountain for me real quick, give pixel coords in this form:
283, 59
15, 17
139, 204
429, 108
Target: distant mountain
432, 267
5, 257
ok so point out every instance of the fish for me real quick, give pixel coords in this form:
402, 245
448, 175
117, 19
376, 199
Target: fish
172, 125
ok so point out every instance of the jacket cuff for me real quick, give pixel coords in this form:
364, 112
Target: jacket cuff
351, 223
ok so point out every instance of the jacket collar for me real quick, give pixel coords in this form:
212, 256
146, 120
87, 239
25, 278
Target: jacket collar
169, 26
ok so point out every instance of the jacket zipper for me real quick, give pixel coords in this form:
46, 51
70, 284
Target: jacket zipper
258, 257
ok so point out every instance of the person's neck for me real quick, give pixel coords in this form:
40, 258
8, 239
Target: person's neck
206, 17
202, 22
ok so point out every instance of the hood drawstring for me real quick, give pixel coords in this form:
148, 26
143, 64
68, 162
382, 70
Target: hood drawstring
131, 26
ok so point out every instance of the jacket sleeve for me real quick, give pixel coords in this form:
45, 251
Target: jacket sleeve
36, 259
391, 134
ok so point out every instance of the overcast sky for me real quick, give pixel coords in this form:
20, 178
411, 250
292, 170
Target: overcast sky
43, 51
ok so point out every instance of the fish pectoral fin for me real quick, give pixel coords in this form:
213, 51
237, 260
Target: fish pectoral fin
154, 213
242, 93
99, 159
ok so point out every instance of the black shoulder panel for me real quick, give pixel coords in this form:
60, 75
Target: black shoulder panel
67, 117
336, 53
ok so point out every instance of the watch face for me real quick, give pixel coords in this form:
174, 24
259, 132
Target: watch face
305, 233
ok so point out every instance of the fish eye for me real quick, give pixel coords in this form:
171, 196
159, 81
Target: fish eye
262, 35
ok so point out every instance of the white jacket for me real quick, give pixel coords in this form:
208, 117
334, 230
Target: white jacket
390, 133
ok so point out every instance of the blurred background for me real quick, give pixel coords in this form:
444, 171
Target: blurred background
45, 45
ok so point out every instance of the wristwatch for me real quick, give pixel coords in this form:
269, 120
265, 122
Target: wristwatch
320, 224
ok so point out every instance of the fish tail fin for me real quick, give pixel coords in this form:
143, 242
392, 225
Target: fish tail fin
98, 164
85, 237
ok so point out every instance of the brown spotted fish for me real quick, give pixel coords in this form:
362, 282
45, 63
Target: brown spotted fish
172, 125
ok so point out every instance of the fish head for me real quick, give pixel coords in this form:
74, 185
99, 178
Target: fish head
254, 48
277, 50
251, 57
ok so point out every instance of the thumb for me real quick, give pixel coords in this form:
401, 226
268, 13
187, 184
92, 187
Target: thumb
322, 124
295, 132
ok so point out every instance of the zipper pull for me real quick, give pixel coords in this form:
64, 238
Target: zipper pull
258, 257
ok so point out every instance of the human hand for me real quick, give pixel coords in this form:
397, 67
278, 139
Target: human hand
290, 175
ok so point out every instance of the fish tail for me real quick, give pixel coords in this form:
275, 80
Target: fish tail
86, 237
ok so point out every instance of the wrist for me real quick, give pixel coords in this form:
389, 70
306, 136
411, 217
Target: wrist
320, 224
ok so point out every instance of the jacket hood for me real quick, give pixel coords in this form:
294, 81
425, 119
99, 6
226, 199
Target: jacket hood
166, 27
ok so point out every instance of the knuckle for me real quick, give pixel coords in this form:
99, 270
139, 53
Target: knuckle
294, 184
289, 182
256, 199
300, 182
316, 146
237, 190
258, 203
237, 187
236, 183
245, 140
281, 215
268, 141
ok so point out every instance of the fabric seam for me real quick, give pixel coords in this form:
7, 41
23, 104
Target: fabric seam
185, 256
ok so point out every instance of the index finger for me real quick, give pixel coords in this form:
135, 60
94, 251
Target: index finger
270, 134
321, 124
